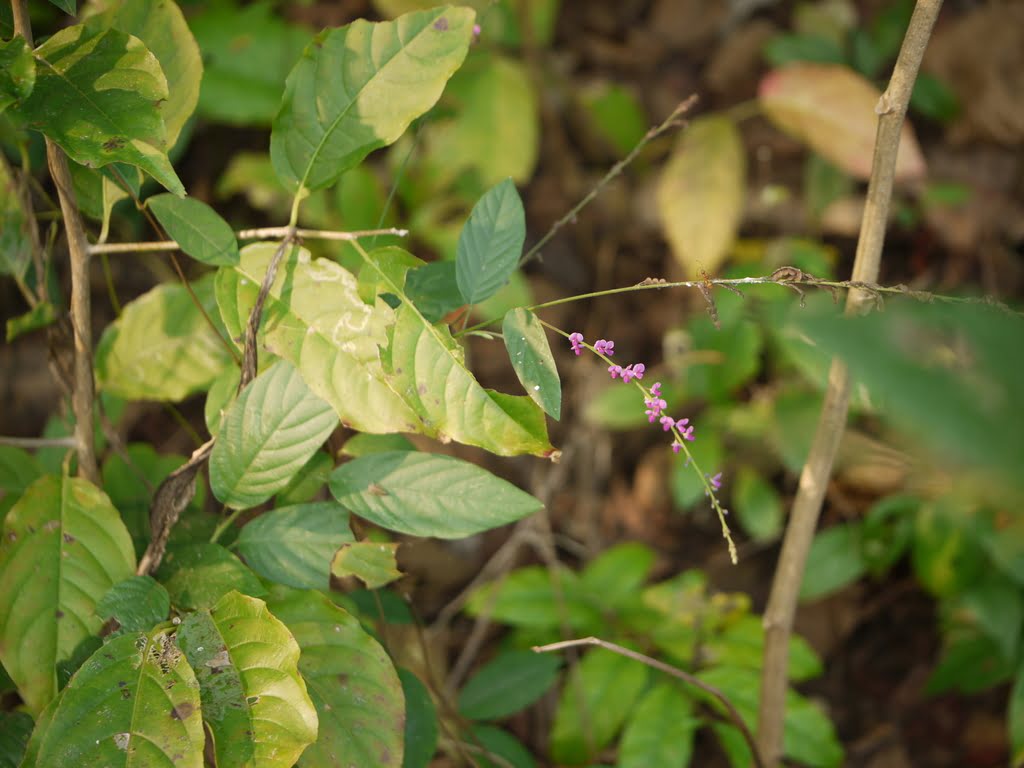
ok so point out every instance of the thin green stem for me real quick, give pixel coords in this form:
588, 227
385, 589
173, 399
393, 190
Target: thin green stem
224, 524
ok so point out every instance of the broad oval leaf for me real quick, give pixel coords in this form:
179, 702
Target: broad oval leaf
661, 730
832, 109
97, 97
161, 25
135, 701
598, 697
162, 348
701, 193
315, 319
372, 562
200, 573
270, 432
491, 243
527, 598
426, 494
63, 547
17, 71
528, 349
358, 87
137, 603
352, 682
294, 545
420, 722
254, 699
508, 683
198, 229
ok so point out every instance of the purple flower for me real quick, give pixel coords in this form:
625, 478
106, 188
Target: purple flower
605, 347
655, 405
476, 30
576, 339
676, 446
656, 389
616, 370
634, 371
716, 481
667, 422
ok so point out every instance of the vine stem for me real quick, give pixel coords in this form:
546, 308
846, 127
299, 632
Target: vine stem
83, 391
668, 669
803, 520
260, 233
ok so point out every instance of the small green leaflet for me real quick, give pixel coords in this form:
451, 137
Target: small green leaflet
491, 243
531, 358
199, 230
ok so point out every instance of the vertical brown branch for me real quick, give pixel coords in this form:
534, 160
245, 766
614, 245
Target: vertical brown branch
778, 617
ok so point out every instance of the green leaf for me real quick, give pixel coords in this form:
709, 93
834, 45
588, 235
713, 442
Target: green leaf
372, 562
615, 577
219, 397
994, 606
615, 113
499, 743
598, 697
15, 729
511, 681
390, 267
887, 530
162, 348
99, 190
161, 25
757, 506
685, 483
358, 87
527, 598
834, 561
17, 71
701, 193
307, 482
971, 663
493, 128
97, 95
254, 699
426, 494
197, 228
528, 349
63, 547
934, 99
272, 429
345, 669
434, 290
199, 574
1015, 719
134, 702
741, 644
247, 52
315, 319
787, 49
661, 731
68, 6
137, 603
491, 243
43, 315
294, 545
364, 445
420, 722
15, 238
18, 470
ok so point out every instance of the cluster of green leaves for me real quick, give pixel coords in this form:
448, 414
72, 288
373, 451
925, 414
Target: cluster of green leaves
609, 699
90, 647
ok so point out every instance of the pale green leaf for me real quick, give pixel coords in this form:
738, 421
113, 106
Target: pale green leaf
527, 598
358, 87
528, 349
161, 25
346, 670
372, 562
162, 348
511, 681
701, 193
198, 574
598, 697
294, 545
661, 731
197, 228
491, 243
757, 505
17, 71
63, 547
834, 562
832, 109
254, 699
272, 429
363, 445
134, 702
96, 95
426, 494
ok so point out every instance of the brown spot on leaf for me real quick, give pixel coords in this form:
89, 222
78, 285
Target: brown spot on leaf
113, 143
377, 490
182, 711
69, 538
441, 25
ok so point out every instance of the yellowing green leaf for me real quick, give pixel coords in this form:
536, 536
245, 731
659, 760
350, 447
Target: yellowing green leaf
372, 562
701, 193
832, 109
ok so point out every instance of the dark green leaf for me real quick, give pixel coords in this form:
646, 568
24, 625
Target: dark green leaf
1015, 719
254, 699
528, 349
357, 88
499, 743
199, 574
136, 603
491, 243
934, 99
527, 598
887, 530
134, 701
420, 722
434, 290
994, 606
786, 49
17, 71
757, 505
15, 729
294, 545
197, 228
308, 481
68, 6
15, 240
428, 494
511, 681
270, 432
834, 561
615, 576
75, 103
971, 662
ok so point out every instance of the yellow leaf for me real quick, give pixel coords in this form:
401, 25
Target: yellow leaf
701, 192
